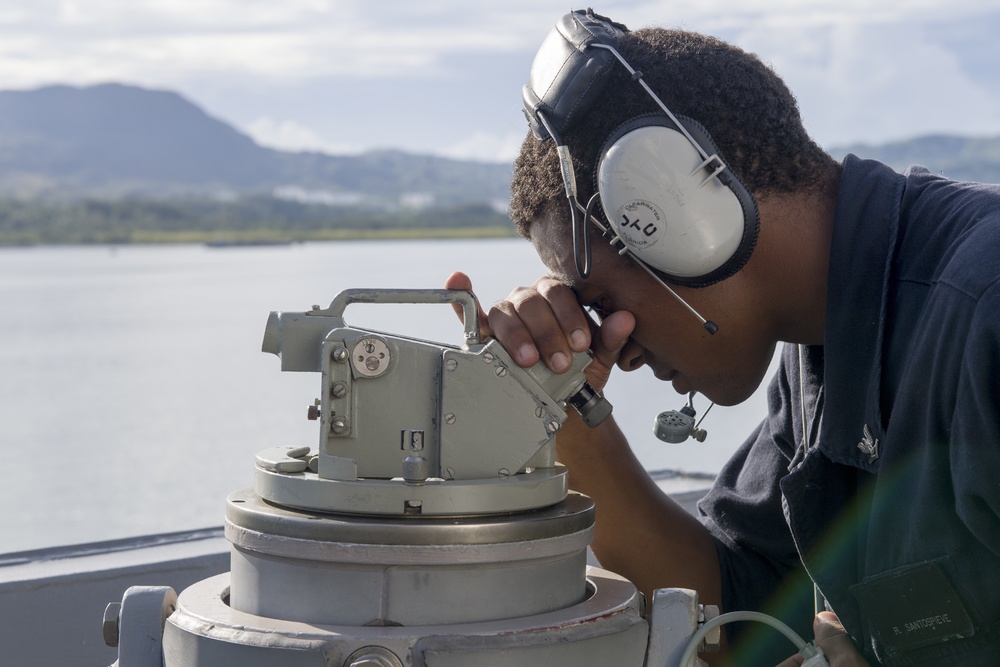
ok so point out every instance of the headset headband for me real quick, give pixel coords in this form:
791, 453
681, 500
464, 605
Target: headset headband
567, 75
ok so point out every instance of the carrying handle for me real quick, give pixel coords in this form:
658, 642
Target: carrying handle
470, 308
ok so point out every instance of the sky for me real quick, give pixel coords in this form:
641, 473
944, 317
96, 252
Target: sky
443, 77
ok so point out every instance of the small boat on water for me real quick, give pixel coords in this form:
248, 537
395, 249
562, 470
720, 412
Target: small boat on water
243, 243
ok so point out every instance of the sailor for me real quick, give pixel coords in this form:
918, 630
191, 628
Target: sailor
874, 473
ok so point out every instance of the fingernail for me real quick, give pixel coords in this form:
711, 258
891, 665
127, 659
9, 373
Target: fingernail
526, 352
560, 362
578, 339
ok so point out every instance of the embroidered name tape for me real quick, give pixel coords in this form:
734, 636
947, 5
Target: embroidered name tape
913, 607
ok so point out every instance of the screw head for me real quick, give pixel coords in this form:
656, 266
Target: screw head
340, 354
110, 630
449, 418
339, 389
713, 640
338, 425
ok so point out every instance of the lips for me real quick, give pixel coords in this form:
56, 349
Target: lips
679, 382
665, 375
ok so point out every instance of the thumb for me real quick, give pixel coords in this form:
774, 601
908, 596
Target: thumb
458, 280
614, 333
835, 642
607, 343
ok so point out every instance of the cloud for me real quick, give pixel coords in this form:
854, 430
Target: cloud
859, 71
310, 38
299, 39
485, 147
869, 81
288, 135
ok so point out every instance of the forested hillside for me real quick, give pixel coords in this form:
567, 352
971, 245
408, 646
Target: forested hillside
120, 164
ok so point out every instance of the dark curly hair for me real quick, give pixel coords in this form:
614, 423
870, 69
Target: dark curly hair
750, 113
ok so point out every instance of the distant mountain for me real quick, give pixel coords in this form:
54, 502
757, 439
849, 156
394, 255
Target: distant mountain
958, 158
114, 140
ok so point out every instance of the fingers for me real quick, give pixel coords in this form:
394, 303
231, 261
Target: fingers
838, 649
794, 661
826, 626
458, 280
461, 281
545, 322
835, 642
542, 322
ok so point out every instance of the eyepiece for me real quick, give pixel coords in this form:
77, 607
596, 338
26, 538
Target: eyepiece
593, 407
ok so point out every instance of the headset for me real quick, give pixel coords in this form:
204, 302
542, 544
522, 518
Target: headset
670, 201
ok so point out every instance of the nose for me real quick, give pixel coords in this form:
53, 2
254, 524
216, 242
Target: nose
631, 356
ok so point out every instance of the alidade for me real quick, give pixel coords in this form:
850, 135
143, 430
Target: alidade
430, 525
414, 427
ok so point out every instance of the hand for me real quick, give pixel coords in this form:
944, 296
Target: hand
835, 642
546, 322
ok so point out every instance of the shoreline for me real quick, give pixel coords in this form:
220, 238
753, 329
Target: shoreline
263, 237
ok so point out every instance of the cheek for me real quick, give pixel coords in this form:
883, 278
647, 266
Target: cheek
664, 344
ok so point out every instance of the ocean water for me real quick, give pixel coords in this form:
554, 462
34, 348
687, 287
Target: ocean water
134, 395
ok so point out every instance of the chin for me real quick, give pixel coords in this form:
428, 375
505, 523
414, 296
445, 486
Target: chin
727, 389
729, 395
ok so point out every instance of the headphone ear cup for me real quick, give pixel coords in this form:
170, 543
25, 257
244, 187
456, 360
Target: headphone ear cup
668, 209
